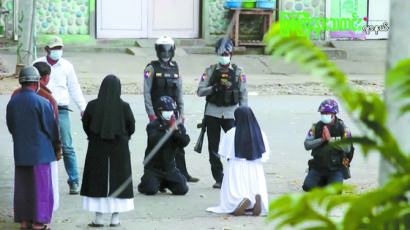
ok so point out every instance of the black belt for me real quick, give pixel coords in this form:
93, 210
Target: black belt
64, 107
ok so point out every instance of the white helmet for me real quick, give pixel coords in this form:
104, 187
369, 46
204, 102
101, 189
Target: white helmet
165, 48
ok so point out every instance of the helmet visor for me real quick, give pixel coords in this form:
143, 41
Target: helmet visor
165, 52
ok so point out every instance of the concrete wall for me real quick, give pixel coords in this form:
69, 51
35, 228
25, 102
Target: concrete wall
64, 17
217, 18
316, 8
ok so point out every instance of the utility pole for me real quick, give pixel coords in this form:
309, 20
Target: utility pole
26, 25
398, 48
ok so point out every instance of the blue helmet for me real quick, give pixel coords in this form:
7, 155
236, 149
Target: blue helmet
224, 45
164, 103
329, 105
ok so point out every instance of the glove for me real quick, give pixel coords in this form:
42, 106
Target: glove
152, 117
171, 123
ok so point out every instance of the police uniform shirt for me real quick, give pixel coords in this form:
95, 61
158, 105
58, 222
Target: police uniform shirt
205, 89
149, 74
312, 143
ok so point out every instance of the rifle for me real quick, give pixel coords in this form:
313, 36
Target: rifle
198, 145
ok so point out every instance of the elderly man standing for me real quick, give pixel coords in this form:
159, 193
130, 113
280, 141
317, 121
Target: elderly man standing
63, 85
32, 124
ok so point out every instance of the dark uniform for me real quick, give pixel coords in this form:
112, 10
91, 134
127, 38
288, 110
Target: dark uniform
161, 80
326, 166
225, 89
161, 172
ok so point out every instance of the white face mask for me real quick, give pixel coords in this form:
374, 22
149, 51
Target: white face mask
326, 118
224, 60
56, 54
166, 115
165, 59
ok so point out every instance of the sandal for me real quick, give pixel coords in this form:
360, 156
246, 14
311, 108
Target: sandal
45, 227
94, 225
240, 209
115, 225
25, 225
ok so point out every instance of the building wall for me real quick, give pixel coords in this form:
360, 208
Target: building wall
64, 17
316, 8
218, 21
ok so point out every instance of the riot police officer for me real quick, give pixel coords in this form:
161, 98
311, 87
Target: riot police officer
160, 171
328, 161
161, 78
224, 85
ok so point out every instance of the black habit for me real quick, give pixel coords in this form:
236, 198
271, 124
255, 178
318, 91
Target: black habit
109, 123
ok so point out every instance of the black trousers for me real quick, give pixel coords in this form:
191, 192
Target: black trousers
154, 179
213, 126
180, 162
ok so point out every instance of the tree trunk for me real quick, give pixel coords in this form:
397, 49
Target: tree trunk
398, 48
26, 24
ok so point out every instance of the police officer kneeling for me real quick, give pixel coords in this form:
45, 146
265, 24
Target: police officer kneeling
160, 172
328, 161
162, 78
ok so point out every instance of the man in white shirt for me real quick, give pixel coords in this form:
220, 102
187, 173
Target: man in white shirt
63, 85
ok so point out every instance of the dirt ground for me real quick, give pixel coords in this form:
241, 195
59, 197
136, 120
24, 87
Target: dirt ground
265, 76
269, 82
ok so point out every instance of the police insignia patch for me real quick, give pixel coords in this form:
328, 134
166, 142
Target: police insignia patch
242, 78
310, 133
347, 133
204, 77
147, 74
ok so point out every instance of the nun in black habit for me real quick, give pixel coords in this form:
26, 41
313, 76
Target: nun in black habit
109, 123
245, 147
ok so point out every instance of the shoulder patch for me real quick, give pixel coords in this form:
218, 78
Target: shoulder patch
242, 77
347, 133
204, 76
311, 132
147, 73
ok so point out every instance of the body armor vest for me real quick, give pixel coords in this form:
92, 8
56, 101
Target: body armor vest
324, 156
165, 81
224, 96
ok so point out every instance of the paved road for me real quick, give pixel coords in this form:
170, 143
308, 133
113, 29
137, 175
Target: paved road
285, 119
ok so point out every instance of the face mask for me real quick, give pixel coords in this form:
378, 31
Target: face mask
166, 115
224, 60
56, 54
165, 59
326, 118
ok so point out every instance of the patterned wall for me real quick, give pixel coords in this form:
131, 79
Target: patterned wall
9, 5
316, 8
249, 25
59, 16
63, 17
